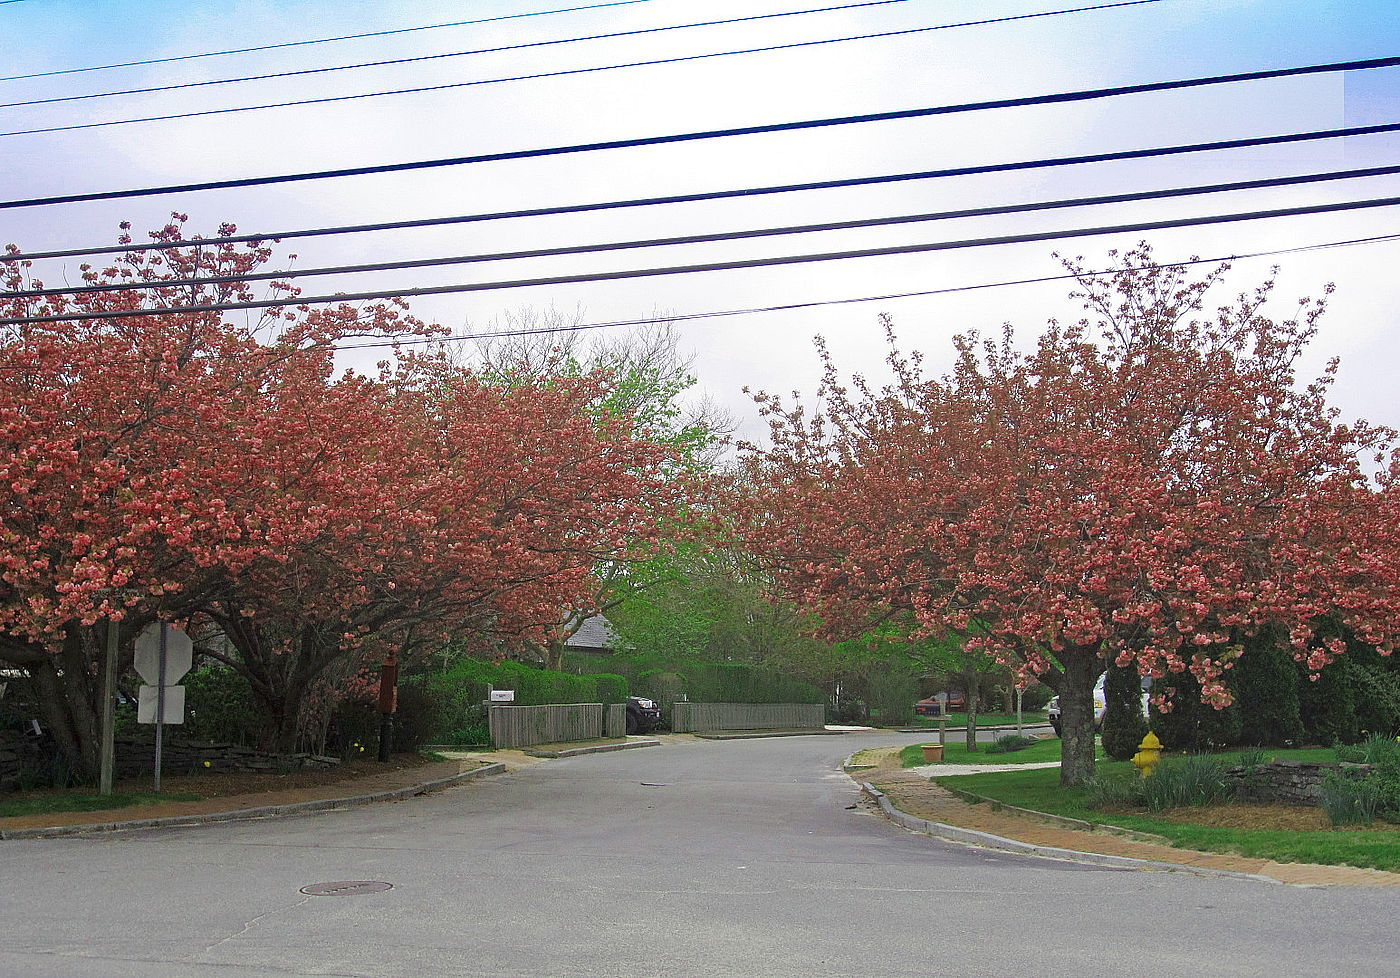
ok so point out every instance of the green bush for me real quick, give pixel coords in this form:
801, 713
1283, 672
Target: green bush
1192, 725
1265, 682
219, 706
610, 688
1376, 693
1009, 743
1328, 704
890, 694
1124, 726
1036, 697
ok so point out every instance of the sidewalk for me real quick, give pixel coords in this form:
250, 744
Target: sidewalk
913, 794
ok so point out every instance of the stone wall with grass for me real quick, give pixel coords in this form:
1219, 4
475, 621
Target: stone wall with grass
1287, 782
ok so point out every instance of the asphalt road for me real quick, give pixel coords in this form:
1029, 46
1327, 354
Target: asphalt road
694, 859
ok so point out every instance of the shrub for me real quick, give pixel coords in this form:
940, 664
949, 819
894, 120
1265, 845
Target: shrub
219, 706
1124, 726
1376, 693
1192, 725
1328, 704
1009, 743
890, 693
1349, 800
1265, 683
1036, 697
610, 688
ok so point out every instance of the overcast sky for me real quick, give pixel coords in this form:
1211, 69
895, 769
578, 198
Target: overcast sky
1144, 43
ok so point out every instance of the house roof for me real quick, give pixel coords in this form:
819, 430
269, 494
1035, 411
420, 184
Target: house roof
595, 633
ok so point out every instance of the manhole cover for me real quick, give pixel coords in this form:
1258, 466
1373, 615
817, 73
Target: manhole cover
346, 888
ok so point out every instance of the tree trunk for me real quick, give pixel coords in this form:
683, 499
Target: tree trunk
553, 652
67, 695
974, 690
1082, 667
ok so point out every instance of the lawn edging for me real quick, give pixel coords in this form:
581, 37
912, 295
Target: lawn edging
985, 840
1064, 821
266, 811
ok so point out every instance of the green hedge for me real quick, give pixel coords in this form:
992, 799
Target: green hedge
219, 706
446, 707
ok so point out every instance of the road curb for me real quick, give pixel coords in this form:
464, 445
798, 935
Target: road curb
596, 749
963, 729
985, 840
266, 811
757, 734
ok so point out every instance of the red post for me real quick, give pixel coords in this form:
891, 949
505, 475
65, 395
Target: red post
388, 703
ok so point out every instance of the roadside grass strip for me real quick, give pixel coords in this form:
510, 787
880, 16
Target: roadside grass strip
46, 803
1039, 790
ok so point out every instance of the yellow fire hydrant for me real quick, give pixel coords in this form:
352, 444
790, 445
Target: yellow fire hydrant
1149, 753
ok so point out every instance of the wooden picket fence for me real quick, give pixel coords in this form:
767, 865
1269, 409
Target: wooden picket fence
525, 726
700, 717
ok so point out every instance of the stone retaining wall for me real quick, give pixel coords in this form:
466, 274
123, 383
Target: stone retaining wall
1288, 782
137, 756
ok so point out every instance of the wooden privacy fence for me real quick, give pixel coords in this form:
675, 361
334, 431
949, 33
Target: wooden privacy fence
699, 717
617, 720
524, 726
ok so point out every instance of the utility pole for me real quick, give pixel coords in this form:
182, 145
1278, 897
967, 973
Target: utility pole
108, 761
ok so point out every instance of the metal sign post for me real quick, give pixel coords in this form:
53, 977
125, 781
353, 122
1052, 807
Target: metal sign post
160, 696
162, 657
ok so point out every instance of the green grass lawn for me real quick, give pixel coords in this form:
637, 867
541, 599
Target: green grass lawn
983, 719
1040, 790
44, 804
955, 752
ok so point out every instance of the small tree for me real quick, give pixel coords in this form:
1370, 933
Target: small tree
1138, 487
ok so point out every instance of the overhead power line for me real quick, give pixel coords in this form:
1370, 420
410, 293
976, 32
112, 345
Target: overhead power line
778, 127
531, 76
634, 273
844, 182
712, 237
87, 96
809, 304
817, 303
839, 183
317, 40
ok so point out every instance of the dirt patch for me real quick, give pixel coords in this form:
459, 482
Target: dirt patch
1284, 818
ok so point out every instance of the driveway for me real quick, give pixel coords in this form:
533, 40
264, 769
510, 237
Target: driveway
692, 859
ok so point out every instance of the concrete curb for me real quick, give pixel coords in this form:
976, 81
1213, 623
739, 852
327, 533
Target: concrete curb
1037, 724
756, 734
267, 811
1064, 821
596, 749
985, 840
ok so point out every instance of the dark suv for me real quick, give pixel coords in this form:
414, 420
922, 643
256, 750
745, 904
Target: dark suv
642, 715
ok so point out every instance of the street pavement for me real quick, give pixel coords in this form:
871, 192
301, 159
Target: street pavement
692, 859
